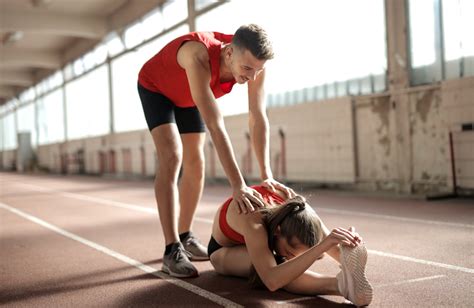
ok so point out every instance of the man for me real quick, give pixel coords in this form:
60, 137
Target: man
177, 87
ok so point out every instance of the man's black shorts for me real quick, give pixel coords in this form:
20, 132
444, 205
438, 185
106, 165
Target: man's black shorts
160, 110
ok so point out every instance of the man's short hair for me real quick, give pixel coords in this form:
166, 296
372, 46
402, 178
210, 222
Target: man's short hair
253, 38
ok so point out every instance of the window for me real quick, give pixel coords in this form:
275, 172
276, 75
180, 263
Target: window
441, 40
9, 131
51, 117
201, 4
26, 121
323, 45
133, 35
152, 24
174, 12
88, 104
128, 113
114, 44
27, 95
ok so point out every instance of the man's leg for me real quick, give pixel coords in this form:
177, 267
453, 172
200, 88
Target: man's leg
190, 190
169, 153
192, 180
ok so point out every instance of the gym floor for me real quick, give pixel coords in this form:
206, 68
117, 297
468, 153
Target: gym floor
89, 241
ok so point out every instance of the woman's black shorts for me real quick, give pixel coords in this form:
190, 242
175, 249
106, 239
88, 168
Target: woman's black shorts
160, 110
213, 246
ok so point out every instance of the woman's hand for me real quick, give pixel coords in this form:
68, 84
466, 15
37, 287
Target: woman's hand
346, 237
273, 185
247, 199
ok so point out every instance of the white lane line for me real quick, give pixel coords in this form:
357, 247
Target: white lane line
300, 299
147, 269
397, 218
295, 300
322, 209
154, 211
408, 281
421, 261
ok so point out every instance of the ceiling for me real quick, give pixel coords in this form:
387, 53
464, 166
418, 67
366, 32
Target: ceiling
37, 37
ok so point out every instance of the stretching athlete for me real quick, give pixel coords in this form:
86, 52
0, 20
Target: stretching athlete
276, 245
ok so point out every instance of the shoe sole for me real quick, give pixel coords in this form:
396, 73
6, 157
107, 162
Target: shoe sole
353, 262
166, 270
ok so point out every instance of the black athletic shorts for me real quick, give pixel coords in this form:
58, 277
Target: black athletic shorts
213, 246
160, 110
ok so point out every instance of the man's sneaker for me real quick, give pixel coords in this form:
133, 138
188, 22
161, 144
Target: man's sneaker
177, 263
352, 282
195, 248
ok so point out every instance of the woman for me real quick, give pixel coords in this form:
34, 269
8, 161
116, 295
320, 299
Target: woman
276, 246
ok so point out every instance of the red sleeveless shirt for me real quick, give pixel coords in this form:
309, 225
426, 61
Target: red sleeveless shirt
163, 74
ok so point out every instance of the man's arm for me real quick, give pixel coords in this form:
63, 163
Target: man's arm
193, 57
258, 125
260, 134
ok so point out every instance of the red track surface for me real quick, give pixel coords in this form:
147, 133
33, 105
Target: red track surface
420, 253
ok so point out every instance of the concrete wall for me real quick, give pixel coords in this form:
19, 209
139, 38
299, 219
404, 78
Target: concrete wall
398, 142
318, 140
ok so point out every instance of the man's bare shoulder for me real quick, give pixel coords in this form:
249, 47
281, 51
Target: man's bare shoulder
192, 53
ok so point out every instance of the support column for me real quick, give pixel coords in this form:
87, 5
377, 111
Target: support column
191, 16
111, 97
396, 12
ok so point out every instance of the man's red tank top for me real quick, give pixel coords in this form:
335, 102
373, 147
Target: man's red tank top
163, 74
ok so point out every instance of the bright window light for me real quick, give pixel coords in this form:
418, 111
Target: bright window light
422, 32
88, 102
114, 44
315, 42
134, 35
78, 67
458, 22
174, 12
50, 117
152, 24
68, 72
27, 95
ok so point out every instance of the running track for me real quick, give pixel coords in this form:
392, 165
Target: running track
89, 241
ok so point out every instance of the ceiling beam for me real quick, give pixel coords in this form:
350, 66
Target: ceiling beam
10, 58
53, 23
6, 92
16, 78
131, 11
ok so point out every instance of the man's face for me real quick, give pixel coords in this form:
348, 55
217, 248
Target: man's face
244, 66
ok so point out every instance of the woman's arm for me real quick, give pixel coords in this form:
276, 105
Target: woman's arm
274, 275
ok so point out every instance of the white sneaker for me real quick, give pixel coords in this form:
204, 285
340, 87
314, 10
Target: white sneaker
352, 282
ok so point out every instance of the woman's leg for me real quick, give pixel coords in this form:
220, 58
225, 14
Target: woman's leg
311, 283
235, 261
232, 261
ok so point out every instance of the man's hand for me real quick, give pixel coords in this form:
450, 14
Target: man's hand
273, 185
247, 199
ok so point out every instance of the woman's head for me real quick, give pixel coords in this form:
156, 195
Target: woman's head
292, 228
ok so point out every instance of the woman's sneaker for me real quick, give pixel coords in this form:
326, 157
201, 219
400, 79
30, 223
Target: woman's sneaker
352, 282
197, 251
177, 263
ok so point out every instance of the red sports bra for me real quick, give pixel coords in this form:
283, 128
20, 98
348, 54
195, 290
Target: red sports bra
230, 233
